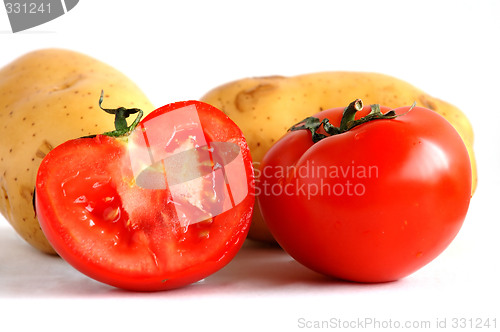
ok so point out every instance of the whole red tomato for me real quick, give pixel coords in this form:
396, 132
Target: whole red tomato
152, 208
368, 199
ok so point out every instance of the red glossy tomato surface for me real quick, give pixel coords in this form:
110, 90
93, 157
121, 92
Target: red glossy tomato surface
372, 204
161, 208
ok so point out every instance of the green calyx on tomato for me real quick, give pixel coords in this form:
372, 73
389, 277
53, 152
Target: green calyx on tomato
121, 114
156, 205
347, 122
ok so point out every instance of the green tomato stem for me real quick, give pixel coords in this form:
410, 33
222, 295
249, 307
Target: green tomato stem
347, 122
121, 114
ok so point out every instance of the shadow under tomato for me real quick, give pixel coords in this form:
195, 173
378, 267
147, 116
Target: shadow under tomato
260, 268
27, 273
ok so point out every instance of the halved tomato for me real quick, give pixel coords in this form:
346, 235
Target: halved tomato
161, 206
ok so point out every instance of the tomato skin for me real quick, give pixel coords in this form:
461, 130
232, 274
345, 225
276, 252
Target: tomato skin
373, 204
104, 224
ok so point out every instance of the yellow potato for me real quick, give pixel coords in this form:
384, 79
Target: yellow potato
265, 107
46, 98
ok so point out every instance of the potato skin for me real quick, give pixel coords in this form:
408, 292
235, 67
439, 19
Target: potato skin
47, 97
265, 107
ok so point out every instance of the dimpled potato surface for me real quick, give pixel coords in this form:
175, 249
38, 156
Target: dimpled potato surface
47, 97
266, 107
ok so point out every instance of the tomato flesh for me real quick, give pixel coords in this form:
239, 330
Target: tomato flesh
104, 223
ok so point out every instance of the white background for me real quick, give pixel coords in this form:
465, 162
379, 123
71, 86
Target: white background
178, 50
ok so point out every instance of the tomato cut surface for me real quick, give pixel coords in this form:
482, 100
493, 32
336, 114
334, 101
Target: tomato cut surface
161, 208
